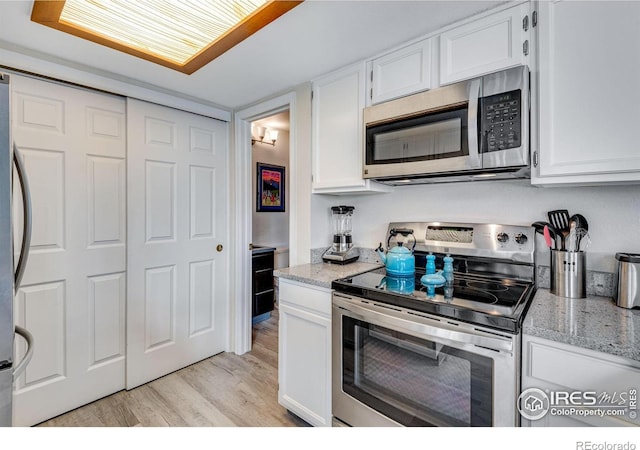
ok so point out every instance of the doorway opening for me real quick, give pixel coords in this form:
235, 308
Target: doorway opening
244, 200
270, 214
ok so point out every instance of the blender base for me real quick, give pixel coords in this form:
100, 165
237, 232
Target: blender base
333, 257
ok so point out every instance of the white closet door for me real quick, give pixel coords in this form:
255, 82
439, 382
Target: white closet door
72, 298
177, 252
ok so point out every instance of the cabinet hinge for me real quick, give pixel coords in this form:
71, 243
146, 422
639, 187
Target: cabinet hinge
534, 19
525, 23
371, 89
525, 47
311, 95
535, 159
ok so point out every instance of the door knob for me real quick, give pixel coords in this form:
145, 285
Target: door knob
219, 247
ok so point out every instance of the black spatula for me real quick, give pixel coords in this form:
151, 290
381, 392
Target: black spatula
539, 227
559, 218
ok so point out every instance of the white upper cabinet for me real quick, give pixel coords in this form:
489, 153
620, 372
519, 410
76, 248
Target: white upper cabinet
338, 100
491, 43
401, 72
589, 100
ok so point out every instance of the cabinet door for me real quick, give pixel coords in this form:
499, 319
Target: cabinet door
304, 364
262, 284
338, 100
488, 44
402, 72
262, 302
556, 367
589, 110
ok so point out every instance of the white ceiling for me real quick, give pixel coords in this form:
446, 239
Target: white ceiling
314, 38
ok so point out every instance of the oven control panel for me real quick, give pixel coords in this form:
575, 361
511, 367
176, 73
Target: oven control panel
509, 238
513, 242
520, 238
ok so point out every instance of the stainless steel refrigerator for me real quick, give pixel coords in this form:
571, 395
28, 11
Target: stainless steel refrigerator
10, 273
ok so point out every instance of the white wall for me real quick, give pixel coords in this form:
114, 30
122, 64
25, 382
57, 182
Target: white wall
613, 212
271, 228
321, 231
94, 78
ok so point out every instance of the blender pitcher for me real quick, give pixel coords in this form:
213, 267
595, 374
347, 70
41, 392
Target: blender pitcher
341, 250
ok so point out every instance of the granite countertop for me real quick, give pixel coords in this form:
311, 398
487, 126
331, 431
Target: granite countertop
594, 323
322, 274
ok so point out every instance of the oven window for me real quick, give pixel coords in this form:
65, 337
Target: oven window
431, 136
413, 381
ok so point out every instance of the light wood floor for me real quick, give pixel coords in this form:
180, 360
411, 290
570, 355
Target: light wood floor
224, 390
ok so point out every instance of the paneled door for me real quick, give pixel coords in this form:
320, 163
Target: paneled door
178, 265
72, 298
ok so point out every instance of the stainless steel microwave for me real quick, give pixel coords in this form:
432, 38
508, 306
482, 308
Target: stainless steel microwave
474, 129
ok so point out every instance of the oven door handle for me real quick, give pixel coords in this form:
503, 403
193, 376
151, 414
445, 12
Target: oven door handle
416, 325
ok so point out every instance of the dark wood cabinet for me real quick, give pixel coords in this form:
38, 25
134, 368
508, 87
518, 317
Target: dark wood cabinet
262, 281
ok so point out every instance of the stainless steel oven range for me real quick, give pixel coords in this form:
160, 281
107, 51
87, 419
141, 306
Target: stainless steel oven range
403, 358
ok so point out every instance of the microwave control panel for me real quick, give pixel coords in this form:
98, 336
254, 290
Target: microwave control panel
501, 121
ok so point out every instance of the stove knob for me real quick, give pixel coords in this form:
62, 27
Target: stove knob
502, 237
521, 238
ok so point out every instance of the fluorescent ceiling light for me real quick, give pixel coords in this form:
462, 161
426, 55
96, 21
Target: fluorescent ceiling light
175, 31
181, 34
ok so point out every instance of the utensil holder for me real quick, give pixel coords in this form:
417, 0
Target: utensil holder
568, 274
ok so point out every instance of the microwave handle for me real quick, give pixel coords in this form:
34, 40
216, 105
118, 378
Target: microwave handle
472, 121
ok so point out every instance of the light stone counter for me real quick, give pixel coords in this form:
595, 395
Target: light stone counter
322, 274
594, 323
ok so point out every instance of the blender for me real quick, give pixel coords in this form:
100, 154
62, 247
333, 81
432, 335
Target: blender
342, 250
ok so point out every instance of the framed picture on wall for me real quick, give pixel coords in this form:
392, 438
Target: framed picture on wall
271, 195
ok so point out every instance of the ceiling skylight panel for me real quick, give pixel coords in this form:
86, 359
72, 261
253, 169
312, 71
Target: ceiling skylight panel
175, 30
181, 34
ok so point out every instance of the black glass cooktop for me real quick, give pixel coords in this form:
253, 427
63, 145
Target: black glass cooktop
489, 301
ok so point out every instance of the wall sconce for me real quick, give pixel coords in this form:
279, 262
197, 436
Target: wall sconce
260, 133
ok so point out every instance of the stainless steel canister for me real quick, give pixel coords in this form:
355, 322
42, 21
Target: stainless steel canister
568, 274
628, 280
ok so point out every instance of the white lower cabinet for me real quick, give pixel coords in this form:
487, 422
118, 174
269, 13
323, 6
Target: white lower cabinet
304, 351
588, 377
